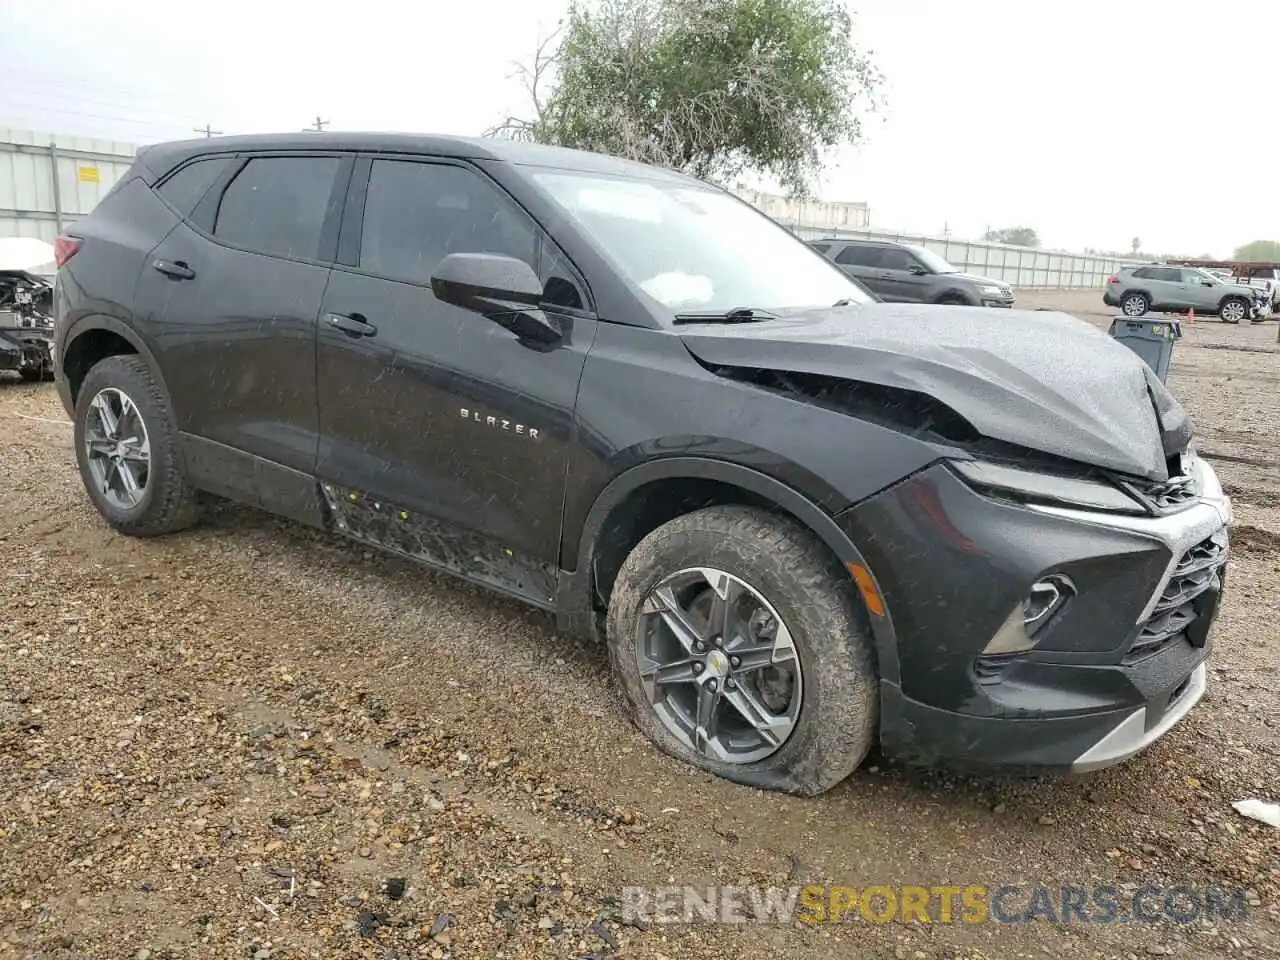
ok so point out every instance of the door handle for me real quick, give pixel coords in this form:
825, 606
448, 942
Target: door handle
353, 325
174, 268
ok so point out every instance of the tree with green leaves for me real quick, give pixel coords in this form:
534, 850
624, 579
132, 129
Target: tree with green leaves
711, 87
1017, 236
1258, 250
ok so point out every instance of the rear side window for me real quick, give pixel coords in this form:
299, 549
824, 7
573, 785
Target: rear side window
856, 255
1167, 274
277, 205
184, 189
416, 214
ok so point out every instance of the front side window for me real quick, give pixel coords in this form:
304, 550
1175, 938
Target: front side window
277, 205
694, 248
895, 259
418, 213
932, 261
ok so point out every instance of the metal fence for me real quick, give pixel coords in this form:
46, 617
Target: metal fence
1021, 266
49, 180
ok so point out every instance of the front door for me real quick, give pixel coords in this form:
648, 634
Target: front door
442, 436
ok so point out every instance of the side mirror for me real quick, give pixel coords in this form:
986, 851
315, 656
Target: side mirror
916, 270
504, 289
1206, 283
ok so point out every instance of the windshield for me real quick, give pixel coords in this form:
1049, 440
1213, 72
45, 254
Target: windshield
695, 249
931, 259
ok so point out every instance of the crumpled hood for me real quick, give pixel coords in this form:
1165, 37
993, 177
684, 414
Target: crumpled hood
1039, 379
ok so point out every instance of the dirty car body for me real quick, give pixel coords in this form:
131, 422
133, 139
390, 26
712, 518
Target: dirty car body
593, 368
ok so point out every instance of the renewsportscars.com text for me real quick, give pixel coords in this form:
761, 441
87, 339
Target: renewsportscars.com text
972, 903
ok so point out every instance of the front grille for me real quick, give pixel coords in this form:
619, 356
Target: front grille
1177, 610
1166, 495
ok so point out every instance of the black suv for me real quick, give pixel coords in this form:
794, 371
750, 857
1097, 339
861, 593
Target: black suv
908, 273
799, 519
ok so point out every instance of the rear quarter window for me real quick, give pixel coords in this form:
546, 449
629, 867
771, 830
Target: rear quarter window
185, 188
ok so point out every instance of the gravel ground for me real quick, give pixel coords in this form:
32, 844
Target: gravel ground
252, 740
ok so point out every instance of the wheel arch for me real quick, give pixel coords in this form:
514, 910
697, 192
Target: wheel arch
94, 338
954, 295
649, 494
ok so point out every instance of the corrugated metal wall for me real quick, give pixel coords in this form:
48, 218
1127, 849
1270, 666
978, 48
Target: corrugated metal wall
1020, 266
36, 202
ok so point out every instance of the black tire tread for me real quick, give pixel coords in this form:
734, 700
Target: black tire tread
812, 760
173, 505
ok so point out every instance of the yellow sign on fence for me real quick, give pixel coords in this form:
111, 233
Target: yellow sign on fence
88, 174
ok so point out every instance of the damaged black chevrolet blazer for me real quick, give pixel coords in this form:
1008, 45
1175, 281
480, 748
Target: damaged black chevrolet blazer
803, 521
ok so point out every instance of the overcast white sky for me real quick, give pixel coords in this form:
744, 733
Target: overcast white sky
1000, 113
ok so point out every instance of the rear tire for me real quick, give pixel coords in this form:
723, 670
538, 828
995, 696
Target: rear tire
1134, 304
1233, 310
157, 498
796, 612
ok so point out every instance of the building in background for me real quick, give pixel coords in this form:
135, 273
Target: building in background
48, 180
825, 214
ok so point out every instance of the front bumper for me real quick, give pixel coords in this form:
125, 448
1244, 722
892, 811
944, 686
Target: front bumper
1114, 670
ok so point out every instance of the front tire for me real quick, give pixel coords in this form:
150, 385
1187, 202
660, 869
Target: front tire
126, 449
740, 648
1135, 304
1233, 310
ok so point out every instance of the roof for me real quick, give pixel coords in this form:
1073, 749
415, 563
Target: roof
162, 157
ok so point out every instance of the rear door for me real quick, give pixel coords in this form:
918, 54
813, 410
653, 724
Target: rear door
229, 300
860, 261
443, 436
1167, 288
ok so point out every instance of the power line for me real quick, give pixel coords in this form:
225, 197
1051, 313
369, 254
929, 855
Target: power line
95, 116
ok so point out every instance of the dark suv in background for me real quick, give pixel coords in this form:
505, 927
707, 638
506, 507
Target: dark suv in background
799, 519
906, 273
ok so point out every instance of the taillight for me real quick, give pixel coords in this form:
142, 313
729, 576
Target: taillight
1113, 280
64, 248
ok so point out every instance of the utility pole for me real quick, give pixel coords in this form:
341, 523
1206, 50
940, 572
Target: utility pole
318, 125
207, 130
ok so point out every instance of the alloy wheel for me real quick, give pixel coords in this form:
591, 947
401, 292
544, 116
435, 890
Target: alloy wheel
1135, 307
118, 448
719, 665
1233, 311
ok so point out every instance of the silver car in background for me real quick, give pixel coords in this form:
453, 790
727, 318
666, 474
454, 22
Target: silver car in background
1170, 289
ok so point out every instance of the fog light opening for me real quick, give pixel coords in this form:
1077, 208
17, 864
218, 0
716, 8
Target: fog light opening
1045, 598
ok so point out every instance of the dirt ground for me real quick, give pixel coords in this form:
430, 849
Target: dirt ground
252, 740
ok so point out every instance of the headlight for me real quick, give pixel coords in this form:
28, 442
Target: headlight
991, 290
1046, 487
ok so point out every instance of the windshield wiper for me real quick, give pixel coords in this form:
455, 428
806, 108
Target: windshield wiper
736, 315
